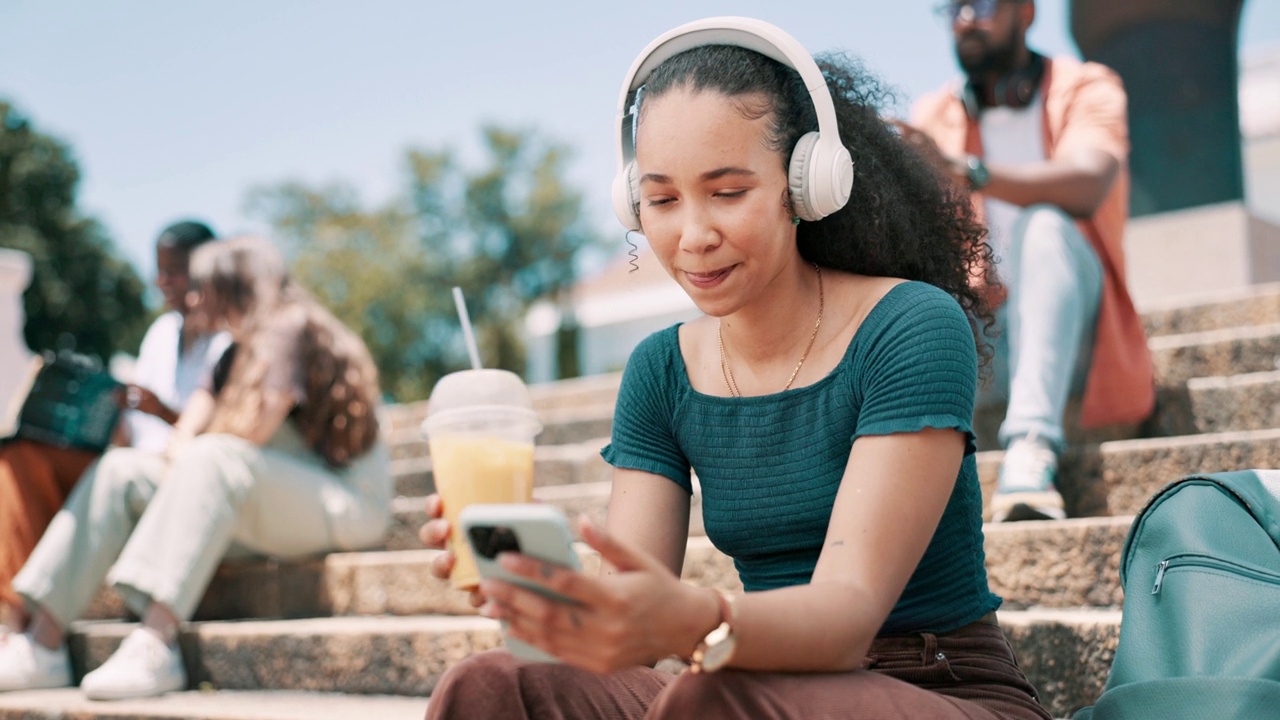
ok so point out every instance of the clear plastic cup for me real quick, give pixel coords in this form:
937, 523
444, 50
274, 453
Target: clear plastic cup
480, 429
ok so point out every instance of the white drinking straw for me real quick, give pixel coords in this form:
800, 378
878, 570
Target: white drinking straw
467, 335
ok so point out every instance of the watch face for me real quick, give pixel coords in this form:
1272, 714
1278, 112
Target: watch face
717, 655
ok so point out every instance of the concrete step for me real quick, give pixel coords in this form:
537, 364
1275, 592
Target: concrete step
1117, 478
591, 498
559, 427
1065, 653
1057, 564
1225, 352
567, 464
548, 399
338, 584
1072, 563
360, 655
1250, 401
70, 704
576, 392
405, 416
1184, 406
1253, 305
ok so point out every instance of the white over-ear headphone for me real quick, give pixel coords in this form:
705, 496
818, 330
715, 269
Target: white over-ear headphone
821, 172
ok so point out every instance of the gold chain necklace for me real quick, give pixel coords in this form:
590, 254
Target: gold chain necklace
725, 370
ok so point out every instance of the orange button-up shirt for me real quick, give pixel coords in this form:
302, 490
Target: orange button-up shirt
1084, 107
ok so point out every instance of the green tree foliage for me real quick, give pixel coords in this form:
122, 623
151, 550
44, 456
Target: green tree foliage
507, 233
79, 289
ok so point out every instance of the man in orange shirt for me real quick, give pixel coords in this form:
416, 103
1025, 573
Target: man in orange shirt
1042, 143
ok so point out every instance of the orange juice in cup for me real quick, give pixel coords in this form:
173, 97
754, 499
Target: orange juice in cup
480, 429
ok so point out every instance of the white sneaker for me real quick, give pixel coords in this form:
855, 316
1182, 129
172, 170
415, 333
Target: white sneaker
143, 666
1025, 490
27, 665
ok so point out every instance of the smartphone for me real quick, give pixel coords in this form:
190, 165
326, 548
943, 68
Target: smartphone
533, 529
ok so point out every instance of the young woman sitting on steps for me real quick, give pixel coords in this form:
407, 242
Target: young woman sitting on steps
824, 401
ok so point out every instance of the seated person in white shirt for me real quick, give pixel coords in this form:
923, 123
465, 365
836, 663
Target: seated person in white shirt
36, 478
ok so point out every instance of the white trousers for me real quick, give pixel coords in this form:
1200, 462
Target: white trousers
167, 526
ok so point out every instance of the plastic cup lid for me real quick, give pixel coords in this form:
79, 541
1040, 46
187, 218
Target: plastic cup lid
469, 396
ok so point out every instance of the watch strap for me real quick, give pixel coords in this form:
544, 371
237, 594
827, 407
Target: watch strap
723, 631
976, 172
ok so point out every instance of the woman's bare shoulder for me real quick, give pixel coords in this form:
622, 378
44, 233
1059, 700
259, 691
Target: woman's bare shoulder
853, 286
856, 295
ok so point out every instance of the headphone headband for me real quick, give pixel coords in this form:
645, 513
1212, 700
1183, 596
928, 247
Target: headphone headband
752, 34
749, 33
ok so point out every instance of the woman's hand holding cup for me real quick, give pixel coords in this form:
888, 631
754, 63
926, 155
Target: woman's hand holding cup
435, 534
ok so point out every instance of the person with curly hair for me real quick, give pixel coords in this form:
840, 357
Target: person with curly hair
1042, 145
823, 401
279, 454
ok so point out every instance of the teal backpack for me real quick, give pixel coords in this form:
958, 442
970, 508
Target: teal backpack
1200, 631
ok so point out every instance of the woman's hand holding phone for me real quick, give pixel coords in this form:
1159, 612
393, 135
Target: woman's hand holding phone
636, 615
435, 534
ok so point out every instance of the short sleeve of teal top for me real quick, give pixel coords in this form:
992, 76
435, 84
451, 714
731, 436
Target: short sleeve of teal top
769, 467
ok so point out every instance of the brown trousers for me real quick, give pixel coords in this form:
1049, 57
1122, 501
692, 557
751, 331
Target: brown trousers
35, 479
968, 674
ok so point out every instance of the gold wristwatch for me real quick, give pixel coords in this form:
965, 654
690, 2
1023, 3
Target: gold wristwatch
716, 649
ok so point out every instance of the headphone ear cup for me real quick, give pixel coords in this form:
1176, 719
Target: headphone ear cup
798, 177
820, 177
626, 197
1020, 91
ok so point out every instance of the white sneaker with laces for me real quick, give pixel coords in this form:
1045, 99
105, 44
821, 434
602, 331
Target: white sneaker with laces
143, 666
27, 665
1025, 490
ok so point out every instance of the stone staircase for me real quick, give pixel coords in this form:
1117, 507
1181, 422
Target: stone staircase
369, 633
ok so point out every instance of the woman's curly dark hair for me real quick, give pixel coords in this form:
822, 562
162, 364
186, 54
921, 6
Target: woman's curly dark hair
902, 220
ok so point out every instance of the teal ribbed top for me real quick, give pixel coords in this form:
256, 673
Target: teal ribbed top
769, 466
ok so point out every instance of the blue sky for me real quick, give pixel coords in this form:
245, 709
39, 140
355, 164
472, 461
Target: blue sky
176, 109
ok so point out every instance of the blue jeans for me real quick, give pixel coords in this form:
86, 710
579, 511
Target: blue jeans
1046, 325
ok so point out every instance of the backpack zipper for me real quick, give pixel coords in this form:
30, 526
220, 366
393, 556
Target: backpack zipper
1206, 561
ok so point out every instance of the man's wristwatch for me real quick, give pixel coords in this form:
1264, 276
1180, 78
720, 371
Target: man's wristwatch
716, 649
976, 172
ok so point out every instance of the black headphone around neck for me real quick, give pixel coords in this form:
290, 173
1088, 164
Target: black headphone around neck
1015, 90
